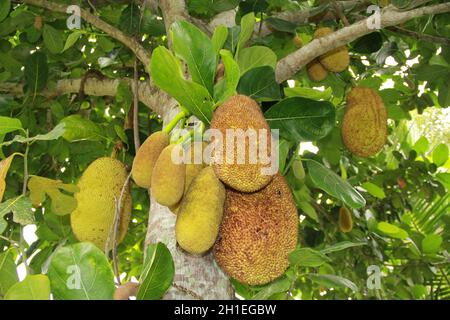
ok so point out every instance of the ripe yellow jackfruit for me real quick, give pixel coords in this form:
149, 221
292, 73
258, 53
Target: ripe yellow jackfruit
336, 60
100, 184
146, 157
200, 213
240, 113
316, 71
168, 178
345, 220
257, 233
364, 126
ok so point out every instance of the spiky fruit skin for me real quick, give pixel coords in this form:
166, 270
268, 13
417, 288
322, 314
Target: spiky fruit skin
257, 233
364, 126
100, 184
241, 112
316, 72
168, 178
146, 157
336, 60
200, 213
345, 220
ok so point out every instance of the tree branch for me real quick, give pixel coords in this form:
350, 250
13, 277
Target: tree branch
291, 64
420, 36
115, 33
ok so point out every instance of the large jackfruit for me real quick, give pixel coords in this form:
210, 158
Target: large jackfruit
168, 177
364, 126
240, 113
200, 213
146, 157
100, 184
316, 72
336, 60
257, 233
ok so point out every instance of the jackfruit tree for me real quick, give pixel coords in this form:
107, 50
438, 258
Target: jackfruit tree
98, 98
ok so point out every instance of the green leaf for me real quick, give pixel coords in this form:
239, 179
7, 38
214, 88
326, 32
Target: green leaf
368, 44
36, 72
307, 257
9, 125
129, 19
374, 190
281, 25
277, 286
308, 209
392, 230
227, 86
157, 273
81, 272
211, 7
53, 39
21, 209
308, 93
421, 145
33, 287
194, 47
332, 281
440, 154
300, 119
8, 273
219, 37
57, 132
247, 26
5, 6
72, 39
167, 75
431, 243
332, 184
259, 83
342, 246
256, 56
78, 128
121, 133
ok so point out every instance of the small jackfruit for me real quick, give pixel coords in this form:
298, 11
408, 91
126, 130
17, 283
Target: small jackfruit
200, 213
146, 157
240, 113
168, 177
316, 72
336, 60
257, 233
364, 126
100, 186
298, 43
345, 220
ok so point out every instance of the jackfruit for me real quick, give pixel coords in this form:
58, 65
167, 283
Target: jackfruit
146, 157
257, 233
364, 126
200, 213
126, 290
297, 40
245, 171
316, 72
336, 60
168, 177
345, 220
100, 185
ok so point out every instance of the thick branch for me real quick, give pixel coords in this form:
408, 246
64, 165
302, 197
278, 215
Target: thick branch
290, 65
148, 94
115, 33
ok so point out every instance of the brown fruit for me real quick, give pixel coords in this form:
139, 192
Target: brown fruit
241, 112
345, 220
336, 60
146, 157
257, 233
168, 178
125, 291
364, 126
316, 71
298, 43
38, 22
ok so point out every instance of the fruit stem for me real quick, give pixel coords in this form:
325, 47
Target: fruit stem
174, 122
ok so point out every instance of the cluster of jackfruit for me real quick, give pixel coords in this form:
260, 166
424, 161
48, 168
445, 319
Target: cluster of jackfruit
336, 60
364, 126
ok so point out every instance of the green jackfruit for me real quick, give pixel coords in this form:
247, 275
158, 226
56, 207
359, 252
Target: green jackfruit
345, 220
146, 157
200, 213
364, 126
257, 233
316, 71
100, 184
241, 112
336, 60
168, 178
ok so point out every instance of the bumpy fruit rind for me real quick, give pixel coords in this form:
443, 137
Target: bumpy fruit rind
316, 72
336, 60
